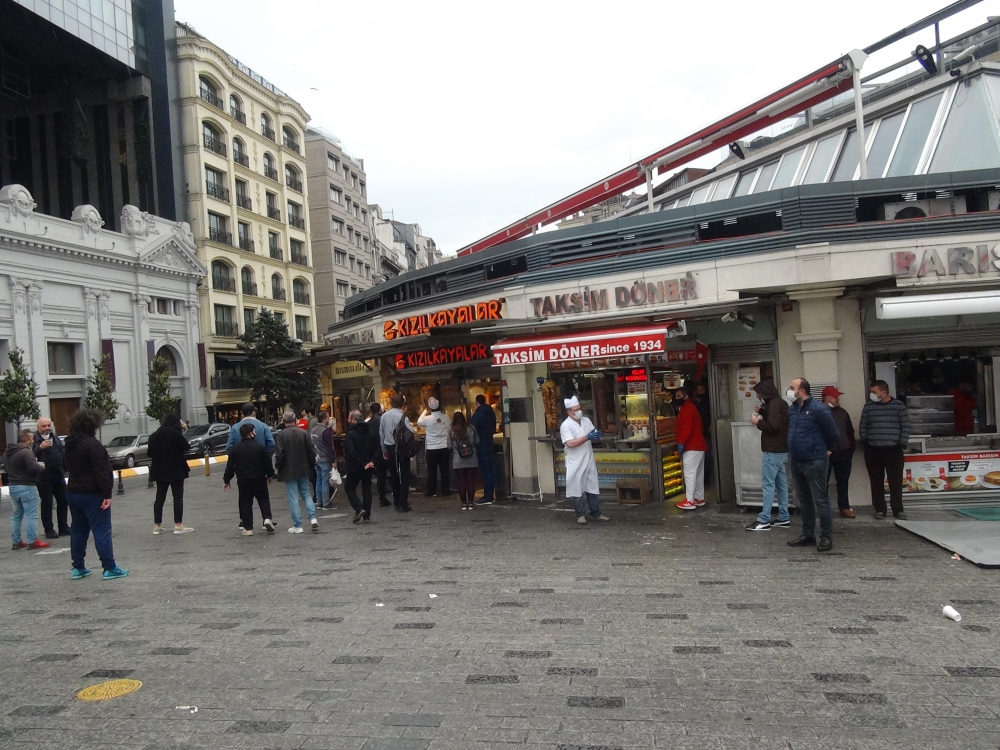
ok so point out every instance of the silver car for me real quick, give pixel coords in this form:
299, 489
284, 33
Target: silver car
126, 451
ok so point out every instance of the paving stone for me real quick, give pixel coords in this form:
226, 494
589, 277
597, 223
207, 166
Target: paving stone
109, 674
973, 671
491, 679
858, 699
56, 657
843, 677
886, 618
527, 654
593, 578
327, 620
574, 671
666, 617
562, 621
358, 660
219, 625
879, 578
413, 609
287, 644
594, 701
665, 596
172, 651
259, 727
764, 643
267, 631
697, 650
394, 743
509, 605
588, 747
836, 591
412, 720
37, 711
971, 602
974, 628
853, 631
716, 583
413, 626
537, 591
748, 605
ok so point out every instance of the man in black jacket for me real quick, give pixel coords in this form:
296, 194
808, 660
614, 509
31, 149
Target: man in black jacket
381, 466
771, 418
50, 450
296, 461
251, 463
23, 471
360, 448
485, 422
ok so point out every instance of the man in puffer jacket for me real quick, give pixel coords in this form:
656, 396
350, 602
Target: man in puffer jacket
812, 436
23, 472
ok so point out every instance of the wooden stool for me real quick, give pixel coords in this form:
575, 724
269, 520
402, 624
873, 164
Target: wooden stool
632, 491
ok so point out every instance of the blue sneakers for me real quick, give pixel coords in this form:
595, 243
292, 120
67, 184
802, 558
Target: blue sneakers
80, 573
115, 573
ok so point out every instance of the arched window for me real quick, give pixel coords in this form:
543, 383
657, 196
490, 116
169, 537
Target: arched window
209, 92
277, 286
290, 139
212, 139
166, 353
240, 153
236, 109
298, 285
269, 170
300, 291
265, 126
292, 178
222, 277
247, 282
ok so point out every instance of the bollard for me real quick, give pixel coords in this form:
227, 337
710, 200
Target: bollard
208, 471
121, 487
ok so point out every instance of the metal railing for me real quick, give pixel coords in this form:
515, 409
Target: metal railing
246, 244
212, 99
216, 190
273, 213
223, 283
300, 259
241, 158
227, 329
301, 298
278, 294
271, 174
289, 143
293, 183
276, 253
297, 221
226, 380
267, 132
303, 335
213, 144
239, 115
244, 201
220, 235
250, 288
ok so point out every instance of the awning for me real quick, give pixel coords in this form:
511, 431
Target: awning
937, 305
609, 342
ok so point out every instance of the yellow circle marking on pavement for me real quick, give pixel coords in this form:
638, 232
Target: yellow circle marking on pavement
103, 691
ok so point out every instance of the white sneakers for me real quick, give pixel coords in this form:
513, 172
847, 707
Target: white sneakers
247, 532
315, 525
158, 529
295, 530
581, 519
183, 530
269, 525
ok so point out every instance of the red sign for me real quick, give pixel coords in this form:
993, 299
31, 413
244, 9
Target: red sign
419, 324
617, 342
445, 355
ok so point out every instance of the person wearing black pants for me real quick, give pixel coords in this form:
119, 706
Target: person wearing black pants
884, 431
381, 465
399, 466
49, 449
251, 463
885, 465
169, 469
360, 449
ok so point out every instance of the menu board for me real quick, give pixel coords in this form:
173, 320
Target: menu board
951, 472
746, 379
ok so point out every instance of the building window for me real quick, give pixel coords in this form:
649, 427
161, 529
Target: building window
224, 324
269, 171
342, 288
332, 162
218, 229
357, 211
295, 215
236, 109
297, 252
364, 192
290, 139
300, 292
248, 285
222, 279
249, 317
212, 139
354, 181
279, 318
354, 290
271, 199
240, 153
209, 92
265, 126
274, 245
335, 195
215, 184
277, 287
292, 178
302, 331
163, 306
338, 226
62, 359
347, 173
340, 257
364, 216
243, 195
340, 316
368, 271
168, 355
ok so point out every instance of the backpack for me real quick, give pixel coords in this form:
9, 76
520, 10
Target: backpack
406, 442
464, 446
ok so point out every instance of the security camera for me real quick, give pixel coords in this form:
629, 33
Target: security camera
729, 317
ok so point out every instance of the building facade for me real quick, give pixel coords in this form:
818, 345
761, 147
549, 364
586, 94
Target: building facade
247, 200
75, 290
345, 254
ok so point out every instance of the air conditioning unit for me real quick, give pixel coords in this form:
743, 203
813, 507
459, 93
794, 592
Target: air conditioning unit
923, 209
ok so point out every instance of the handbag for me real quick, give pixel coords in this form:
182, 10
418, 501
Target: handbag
335, 478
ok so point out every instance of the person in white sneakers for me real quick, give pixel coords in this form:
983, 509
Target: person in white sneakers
296, 461
250, 462
692, 446
577, 433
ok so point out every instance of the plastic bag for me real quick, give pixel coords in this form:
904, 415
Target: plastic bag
335, 480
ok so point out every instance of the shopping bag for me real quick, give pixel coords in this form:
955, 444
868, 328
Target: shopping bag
335, 480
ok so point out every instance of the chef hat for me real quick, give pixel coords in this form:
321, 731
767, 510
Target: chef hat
569, 403
433, 403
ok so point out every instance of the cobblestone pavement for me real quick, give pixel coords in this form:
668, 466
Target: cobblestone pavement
508, 626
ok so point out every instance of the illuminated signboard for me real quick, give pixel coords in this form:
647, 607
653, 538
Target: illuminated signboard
443, 355
637, 375
419, 324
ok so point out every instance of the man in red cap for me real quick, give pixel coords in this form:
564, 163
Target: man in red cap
843, 455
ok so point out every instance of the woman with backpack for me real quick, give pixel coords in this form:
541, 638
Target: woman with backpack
464, 460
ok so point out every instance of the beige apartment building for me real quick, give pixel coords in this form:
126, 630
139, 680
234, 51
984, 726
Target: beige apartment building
247, 199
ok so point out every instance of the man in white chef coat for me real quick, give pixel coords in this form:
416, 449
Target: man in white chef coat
577, 433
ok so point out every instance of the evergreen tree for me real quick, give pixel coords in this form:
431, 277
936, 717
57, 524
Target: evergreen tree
264, 344
100, 393
18, 391
161, 403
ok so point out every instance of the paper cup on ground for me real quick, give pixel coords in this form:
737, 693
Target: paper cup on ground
952, 613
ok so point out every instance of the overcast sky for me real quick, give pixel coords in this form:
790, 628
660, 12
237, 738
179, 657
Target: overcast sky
469, 115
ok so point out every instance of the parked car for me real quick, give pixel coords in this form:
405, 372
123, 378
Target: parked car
206, 439
126, 451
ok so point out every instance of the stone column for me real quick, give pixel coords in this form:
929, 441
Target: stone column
92, 347
39, 353
519, 380
193, 394
140, 325
819, 338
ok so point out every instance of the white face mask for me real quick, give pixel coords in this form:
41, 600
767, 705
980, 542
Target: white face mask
577, 415
790, 394
830, 405
874, 397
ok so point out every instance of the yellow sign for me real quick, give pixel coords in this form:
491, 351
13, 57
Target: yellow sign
103, 691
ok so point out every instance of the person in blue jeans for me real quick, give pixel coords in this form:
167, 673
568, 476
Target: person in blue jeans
484, 420
812, 436
321, 435
23, 472
771, 418
88, 495
295, 459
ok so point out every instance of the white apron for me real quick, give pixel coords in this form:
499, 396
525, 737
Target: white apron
581, 471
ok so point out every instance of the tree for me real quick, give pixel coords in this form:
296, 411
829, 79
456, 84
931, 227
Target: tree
266, 343
100, 392
18, 391
161, 403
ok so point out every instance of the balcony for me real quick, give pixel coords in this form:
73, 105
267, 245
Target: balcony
297, 221
227, 329
301, 298
226, 380
212, 99
246, 245
300, 259
239, 115
278, 294
242, 159
304, 335
289, 143
293, 183
267, 132
213, 144
223, 283
273, 213
243, 201
220, 235
250, 288
216, 190
276, 253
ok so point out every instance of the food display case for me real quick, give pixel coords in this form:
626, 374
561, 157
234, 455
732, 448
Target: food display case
963, 468
932, 415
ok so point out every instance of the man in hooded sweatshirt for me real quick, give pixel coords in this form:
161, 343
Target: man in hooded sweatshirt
771, 418
23, 472
360, 448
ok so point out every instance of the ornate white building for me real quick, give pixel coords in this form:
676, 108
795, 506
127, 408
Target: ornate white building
75, 291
